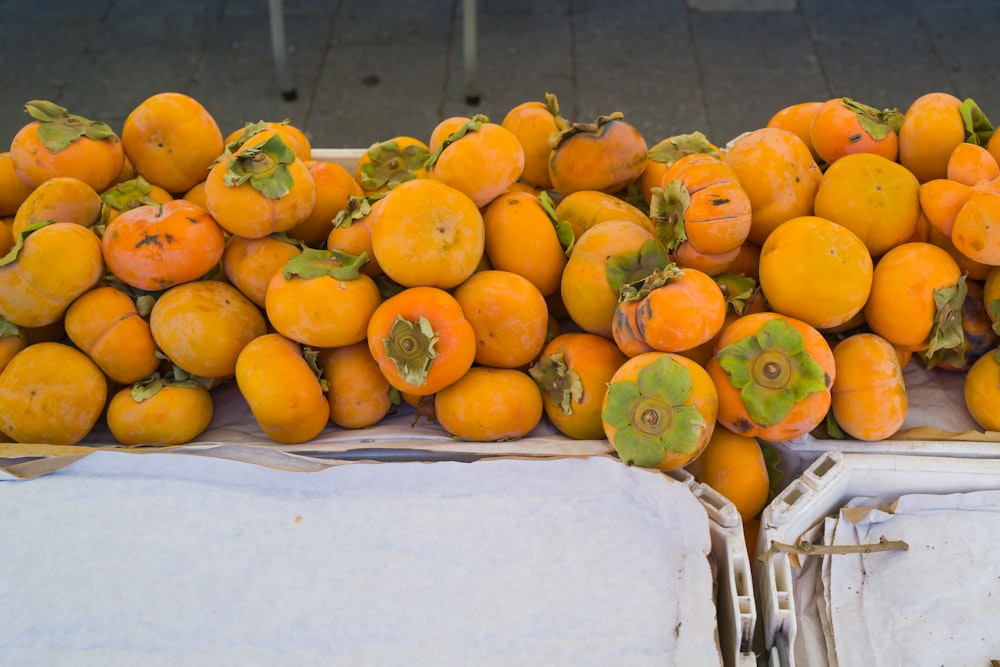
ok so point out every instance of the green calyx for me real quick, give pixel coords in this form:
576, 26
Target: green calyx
410, 346
667, 208
633, 267
993, 308
656, 279
564, 231
176, 377
265, 167
59, 128
129, 194
15, 250
773, 371
558, 381
472, 125
878, 124
740, 290
978, 128
388, 165
573, 129
8, 328
649, 414
316, 263
673, 149
947, 338
356, 209
311, 357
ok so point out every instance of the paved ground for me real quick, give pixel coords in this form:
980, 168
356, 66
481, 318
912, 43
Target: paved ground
366, 71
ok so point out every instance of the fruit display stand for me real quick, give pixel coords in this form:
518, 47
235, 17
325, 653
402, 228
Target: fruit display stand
940, 613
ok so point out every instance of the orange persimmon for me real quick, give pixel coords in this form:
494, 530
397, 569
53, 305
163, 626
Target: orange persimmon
13, 191
352, 231
797, 118
665, 153
869, 400
842, 126
734, 465
160, 411
981, 391
132, 193
388, 163
583, 209
358, 393
489, 404
60, 198
533, 123
680, 309
292, 135
607, 155
933, 125
335, 185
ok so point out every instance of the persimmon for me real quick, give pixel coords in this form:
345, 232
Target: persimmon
659, 410
933, 125
876, 198
388, 163
869, 400
172, 140
991, 293
606, 257
249, 264
679, 309
977, 328
105, 323
625, 329
60, 198
572, 373
743, 296
196, 195
291, 134
747, 261
12, 341
843, 126
50, 265
981, 391
320, 298
334, 186
352, 231
358, 393
665, 153
773, 374
489, 404
6, 235
161, 411
201, 326
129, 194
260, 189
607, 155
421, 339
583, 209
282, 388
13, 191
508, 315
917, 292
425, 232
58, 143
523, 235
51, 393
778, 173
533, 122
734, 465
797, 118
815, 270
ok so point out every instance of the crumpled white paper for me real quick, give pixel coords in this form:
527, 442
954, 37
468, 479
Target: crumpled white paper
161, 559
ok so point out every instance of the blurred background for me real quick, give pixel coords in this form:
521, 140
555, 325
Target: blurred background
365, 71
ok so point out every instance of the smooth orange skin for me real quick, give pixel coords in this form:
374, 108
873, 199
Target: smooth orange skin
293, 136
797, 119
10, 345
105, 324
356, 238
608, 159
703, 398
508, 314
652, 173
334, 185
172, 141
175, 415
586, 294
976, 270
321, 312
61, 198
901, 306
734, 465
444, 129
932, 128
981, 391
249, 264
201, 326
196, 195
976, 232
876, 198
482, 164
96, 162
595, 360
686, 312
57, 263
869, 397
702, 353
489, 404
403, 142
156, 247
815, 270
425, 232
51, 393
521, 238
940, 201
359, 395
778, 173
284, 394
532, 123
972, 165
13, 191
805, 415
243, 211
585, 208
688, 257
456, 345
836, 131
625, 329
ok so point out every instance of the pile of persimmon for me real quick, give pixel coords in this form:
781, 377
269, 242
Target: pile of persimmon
494, 275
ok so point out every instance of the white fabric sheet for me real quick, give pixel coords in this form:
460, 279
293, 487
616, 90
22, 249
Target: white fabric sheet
165, 559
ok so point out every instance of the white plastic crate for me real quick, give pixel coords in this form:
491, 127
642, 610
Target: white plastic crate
820, 491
